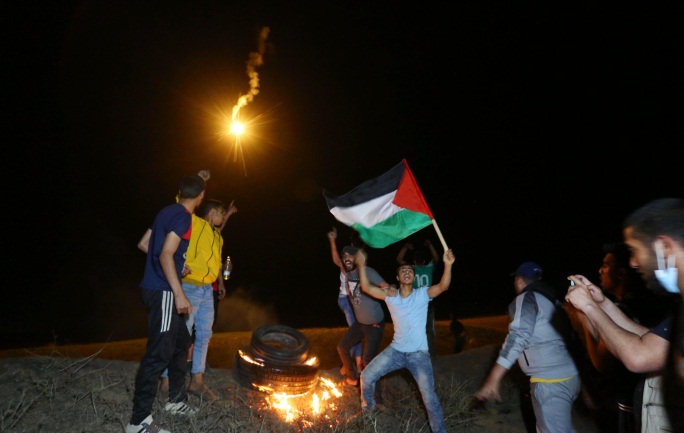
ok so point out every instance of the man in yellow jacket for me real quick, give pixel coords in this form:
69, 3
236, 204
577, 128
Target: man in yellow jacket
204, 262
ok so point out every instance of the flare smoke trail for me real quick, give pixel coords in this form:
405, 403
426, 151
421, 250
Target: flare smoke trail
255, 59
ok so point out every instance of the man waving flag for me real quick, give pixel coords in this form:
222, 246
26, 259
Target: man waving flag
385, 209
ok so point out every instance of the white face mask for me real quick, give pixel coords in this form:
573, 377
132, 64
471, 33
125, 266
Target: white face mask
666, 275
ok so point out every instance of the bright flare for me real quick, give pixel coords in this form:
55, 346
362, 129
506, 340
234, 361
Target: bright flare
255, 60
237, 128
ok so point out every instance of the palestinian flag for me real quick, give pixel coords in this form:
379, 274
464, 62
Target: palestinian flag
383, 210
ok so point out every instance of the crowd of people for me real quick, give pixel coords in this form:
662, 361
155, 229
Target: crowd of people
631, 327
654, 235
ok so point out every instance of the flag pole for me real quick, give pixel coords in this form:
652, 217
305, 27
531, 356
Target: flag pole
439, 233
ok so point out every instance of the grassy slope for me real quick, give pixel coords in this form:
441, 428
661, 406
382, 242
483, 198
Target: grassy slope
322, 343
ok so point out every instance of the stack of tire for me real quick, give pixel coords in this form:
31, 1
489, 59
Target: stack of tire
279, 354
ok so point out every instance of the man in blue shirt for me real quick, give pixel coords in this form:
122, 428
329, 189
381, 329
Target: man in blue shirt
409, 347
168, 339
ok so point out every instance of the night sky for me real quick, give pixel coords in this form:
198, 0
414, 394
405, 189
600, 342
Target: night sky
532, 130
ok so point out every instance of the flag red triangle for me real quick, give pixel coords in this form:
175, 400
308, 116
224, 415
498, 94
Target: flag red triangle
408, 194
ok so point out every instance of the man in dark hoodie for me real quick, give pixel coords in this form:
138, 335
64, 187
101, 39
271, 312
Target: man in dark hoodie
539, 346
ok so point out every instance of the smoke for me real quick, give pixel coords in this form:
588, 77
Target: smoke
238, 312
255, 59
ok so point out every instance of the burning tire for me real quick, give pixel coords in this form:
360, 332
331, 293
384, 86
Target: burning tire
292, 379
278, 344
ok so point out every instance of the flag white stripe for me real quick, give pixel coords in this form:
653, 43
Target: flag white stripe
368, 213
167, 311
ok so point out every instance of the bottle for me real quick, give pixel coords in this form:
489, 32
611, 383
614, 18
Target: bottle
227, 268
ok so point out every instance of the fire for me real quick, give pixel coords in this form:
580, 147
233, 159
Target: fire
315, 405
315, 402
293, 408
248, 358
331, 386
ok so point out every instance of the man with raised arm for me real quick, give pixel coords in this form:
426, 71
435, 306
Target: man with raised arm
409, 347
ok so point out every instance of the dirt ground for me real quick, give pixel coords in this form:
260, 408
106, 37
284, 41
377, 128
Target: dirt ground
56, 394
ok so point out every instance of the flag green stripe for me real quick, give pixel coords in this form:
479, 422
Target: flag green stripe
399, 226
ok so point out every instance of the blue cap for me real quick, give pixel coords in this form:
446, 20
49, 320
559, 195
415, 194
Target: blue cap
529, 270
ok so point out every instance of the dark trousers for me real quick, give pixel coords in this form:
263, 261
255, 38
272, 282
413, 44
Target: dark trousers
357, 332
216, 304
168, 341
430, 329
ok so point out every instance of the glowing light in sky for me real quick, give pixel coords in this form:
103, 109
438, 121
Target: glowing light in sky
237, 127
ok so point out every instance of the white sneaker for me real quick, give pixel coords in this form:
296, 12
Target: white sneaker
146, 426
180, 408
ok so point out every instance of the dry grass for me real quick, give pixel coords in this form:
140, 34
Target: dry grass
224, 345
54, 390
54, 394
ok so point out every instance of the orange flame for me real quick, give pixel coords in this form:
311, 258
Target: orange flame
292, 407
248, 358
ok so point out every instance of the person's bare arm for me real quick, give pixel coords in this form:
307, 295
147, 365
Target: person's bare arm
231, 210
332, 237
599, 355
589, 293
640, 351
490, 389
144, 242
170, 246
444, 283
621, 319
402, 252
368, 287
221, 288
433, 251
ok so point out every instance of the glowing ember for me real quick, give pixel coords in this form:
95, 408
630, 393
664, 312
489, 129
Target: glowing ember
304, 399
280, 402
315, 407
331, 385
248, 358
266, 389
293, 408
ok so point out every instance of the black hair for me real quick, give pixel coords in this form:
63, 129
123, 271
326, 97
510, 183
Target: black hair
620, 251
530, 280
191, 186
208, 205
634, 283
401, 265
664, 216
